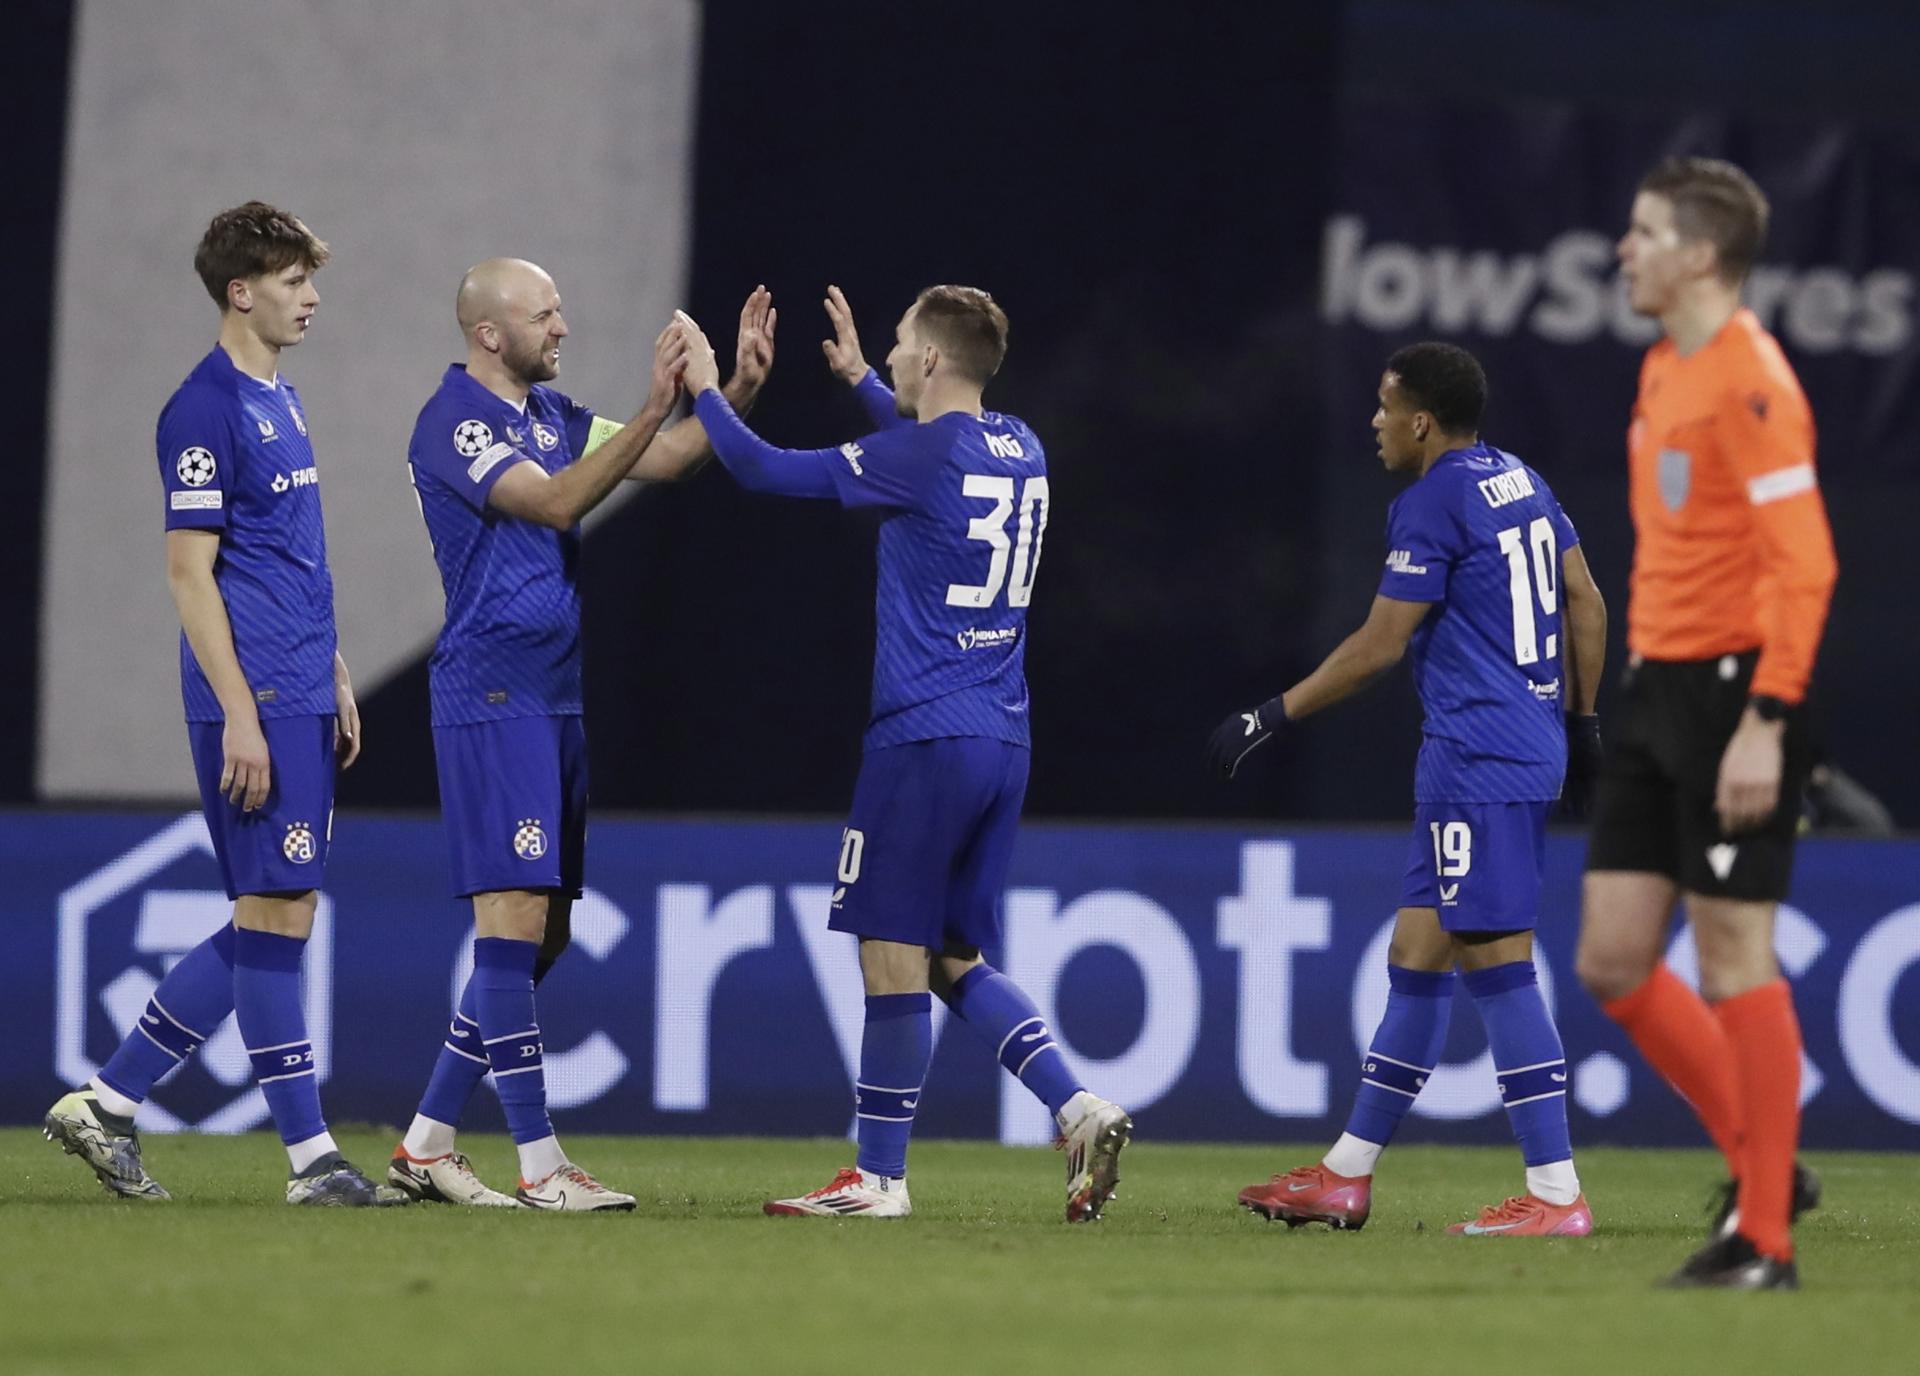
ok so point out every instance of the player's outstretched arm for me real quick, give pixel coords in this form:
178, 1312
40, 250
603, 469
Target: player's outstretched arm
682, 450
752, 462
561, 500
246, 771
850, 365
1370, 651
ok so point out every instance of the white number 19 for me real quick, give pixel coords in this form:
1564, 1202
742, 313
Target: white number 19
1546, 569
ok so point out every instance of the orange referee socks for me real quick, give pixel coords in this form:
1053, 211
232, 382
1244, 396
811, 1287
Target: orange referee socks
1765, 1036
1682, 1039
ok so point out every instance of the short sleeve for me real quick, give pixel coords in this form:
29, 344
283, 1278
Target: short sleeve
1563, 528
197, 455
1420, 546
890, 468
463, 452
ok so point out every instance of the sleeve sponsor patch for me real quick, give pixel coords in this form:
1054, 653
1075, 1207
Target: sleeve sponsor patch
852, 452
489, 458
197, 501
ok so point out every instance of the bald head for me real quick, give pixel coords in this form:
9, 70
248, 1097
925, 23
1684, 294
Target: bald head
501, 287
509, 311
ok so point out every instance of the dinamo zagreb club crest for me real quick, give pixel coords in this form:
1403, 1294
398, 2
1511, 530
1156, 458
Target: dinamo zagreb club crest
529, 841
298, 845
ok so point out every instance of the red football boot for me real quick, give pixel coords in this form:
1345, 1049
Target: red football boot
1526, 1215
1313, 1194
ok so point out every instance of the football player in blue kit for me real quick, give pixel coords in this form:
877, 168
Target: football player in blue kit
506, 467
1480, 561
270, 713
924, 856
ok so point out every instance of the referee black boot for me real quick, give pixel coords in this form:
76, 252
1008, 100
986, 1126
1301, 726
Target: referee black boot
1733, 1263
1726, 1215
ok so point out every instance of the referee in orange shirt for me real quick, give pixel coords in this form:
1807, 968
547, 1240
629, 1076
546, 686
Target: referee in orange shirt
1732, 573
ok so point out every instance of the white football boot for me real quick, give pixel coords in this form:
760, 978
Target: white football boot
571, 1190
447, 1179
1093, 1144
108, 1144
852, 1193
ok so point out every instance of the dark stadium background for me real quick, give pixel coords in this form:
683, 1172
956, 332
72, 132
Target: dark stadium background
1145, 192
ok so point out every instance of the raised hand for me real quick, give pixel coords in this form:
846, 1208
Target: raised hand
753, 350
671, 353
702, 369
843, 350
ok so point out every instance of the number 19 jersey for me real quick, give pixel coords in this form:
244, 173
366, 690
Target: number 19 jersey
1480, 536
967, 505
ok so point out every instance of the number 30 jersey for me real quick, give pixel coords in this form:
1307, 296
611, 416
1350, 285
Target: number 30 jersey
1480, 536
967, 503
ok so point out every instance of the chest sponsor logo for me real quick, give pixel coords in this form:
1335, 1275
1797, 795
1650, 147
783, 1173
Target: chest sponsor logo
529, 840
851, 453
972, 637
300, 477
545, 435
1401, 561
470, 437
1673, 470
195, 466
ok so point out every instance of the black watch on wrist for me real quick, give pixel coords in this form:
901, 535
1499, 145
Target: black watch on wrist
1767, 707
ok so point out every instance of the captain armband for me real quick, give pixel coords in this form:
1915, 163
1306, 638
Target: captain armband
599, 432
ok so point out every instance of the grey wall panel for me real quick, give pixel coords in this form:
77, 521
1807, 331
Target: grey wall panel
416, 137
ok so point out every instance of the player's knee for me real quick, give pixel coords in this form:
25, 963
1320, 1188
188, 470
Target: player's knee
1610, 971
283, 914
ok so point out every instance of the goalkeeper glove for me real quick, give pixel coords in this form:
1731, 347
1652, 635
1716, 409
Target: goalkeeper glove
1243, 733
1584, 756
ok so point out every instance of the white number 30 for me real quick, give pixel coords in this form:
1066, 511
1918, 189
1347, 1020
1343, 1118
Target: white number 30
991, 530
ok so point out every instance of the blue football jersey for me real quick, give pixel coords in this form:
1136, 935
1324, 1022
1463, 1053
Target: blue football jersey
511, 643
967, 503
1480, 536
235, 458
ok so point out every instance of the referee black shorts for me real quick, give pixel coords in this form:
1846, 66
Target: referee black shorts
1654, 813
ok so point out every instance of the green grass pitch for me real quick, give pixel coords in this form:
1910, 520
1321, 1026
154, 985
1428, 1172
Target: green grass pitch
983, 1278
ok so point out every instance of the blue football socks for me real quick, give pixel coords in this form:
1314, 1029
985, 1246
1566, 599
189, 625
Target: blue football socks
273, 1024
1000, 1011
1406, 1047
1531, 1064
192, 1000
503, 1007
895, 1050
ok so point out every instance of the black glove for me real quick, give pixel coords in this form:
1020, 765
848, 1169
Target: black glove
1583, 765
1243, 733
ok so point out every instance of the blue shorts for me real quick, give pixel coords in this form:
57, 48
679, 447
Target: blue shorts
514, 797
282, 846
1478, 864
923, 860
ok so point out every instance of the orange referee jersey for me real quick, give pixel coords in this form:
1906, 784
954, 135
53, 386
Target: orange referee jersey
1732, 548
